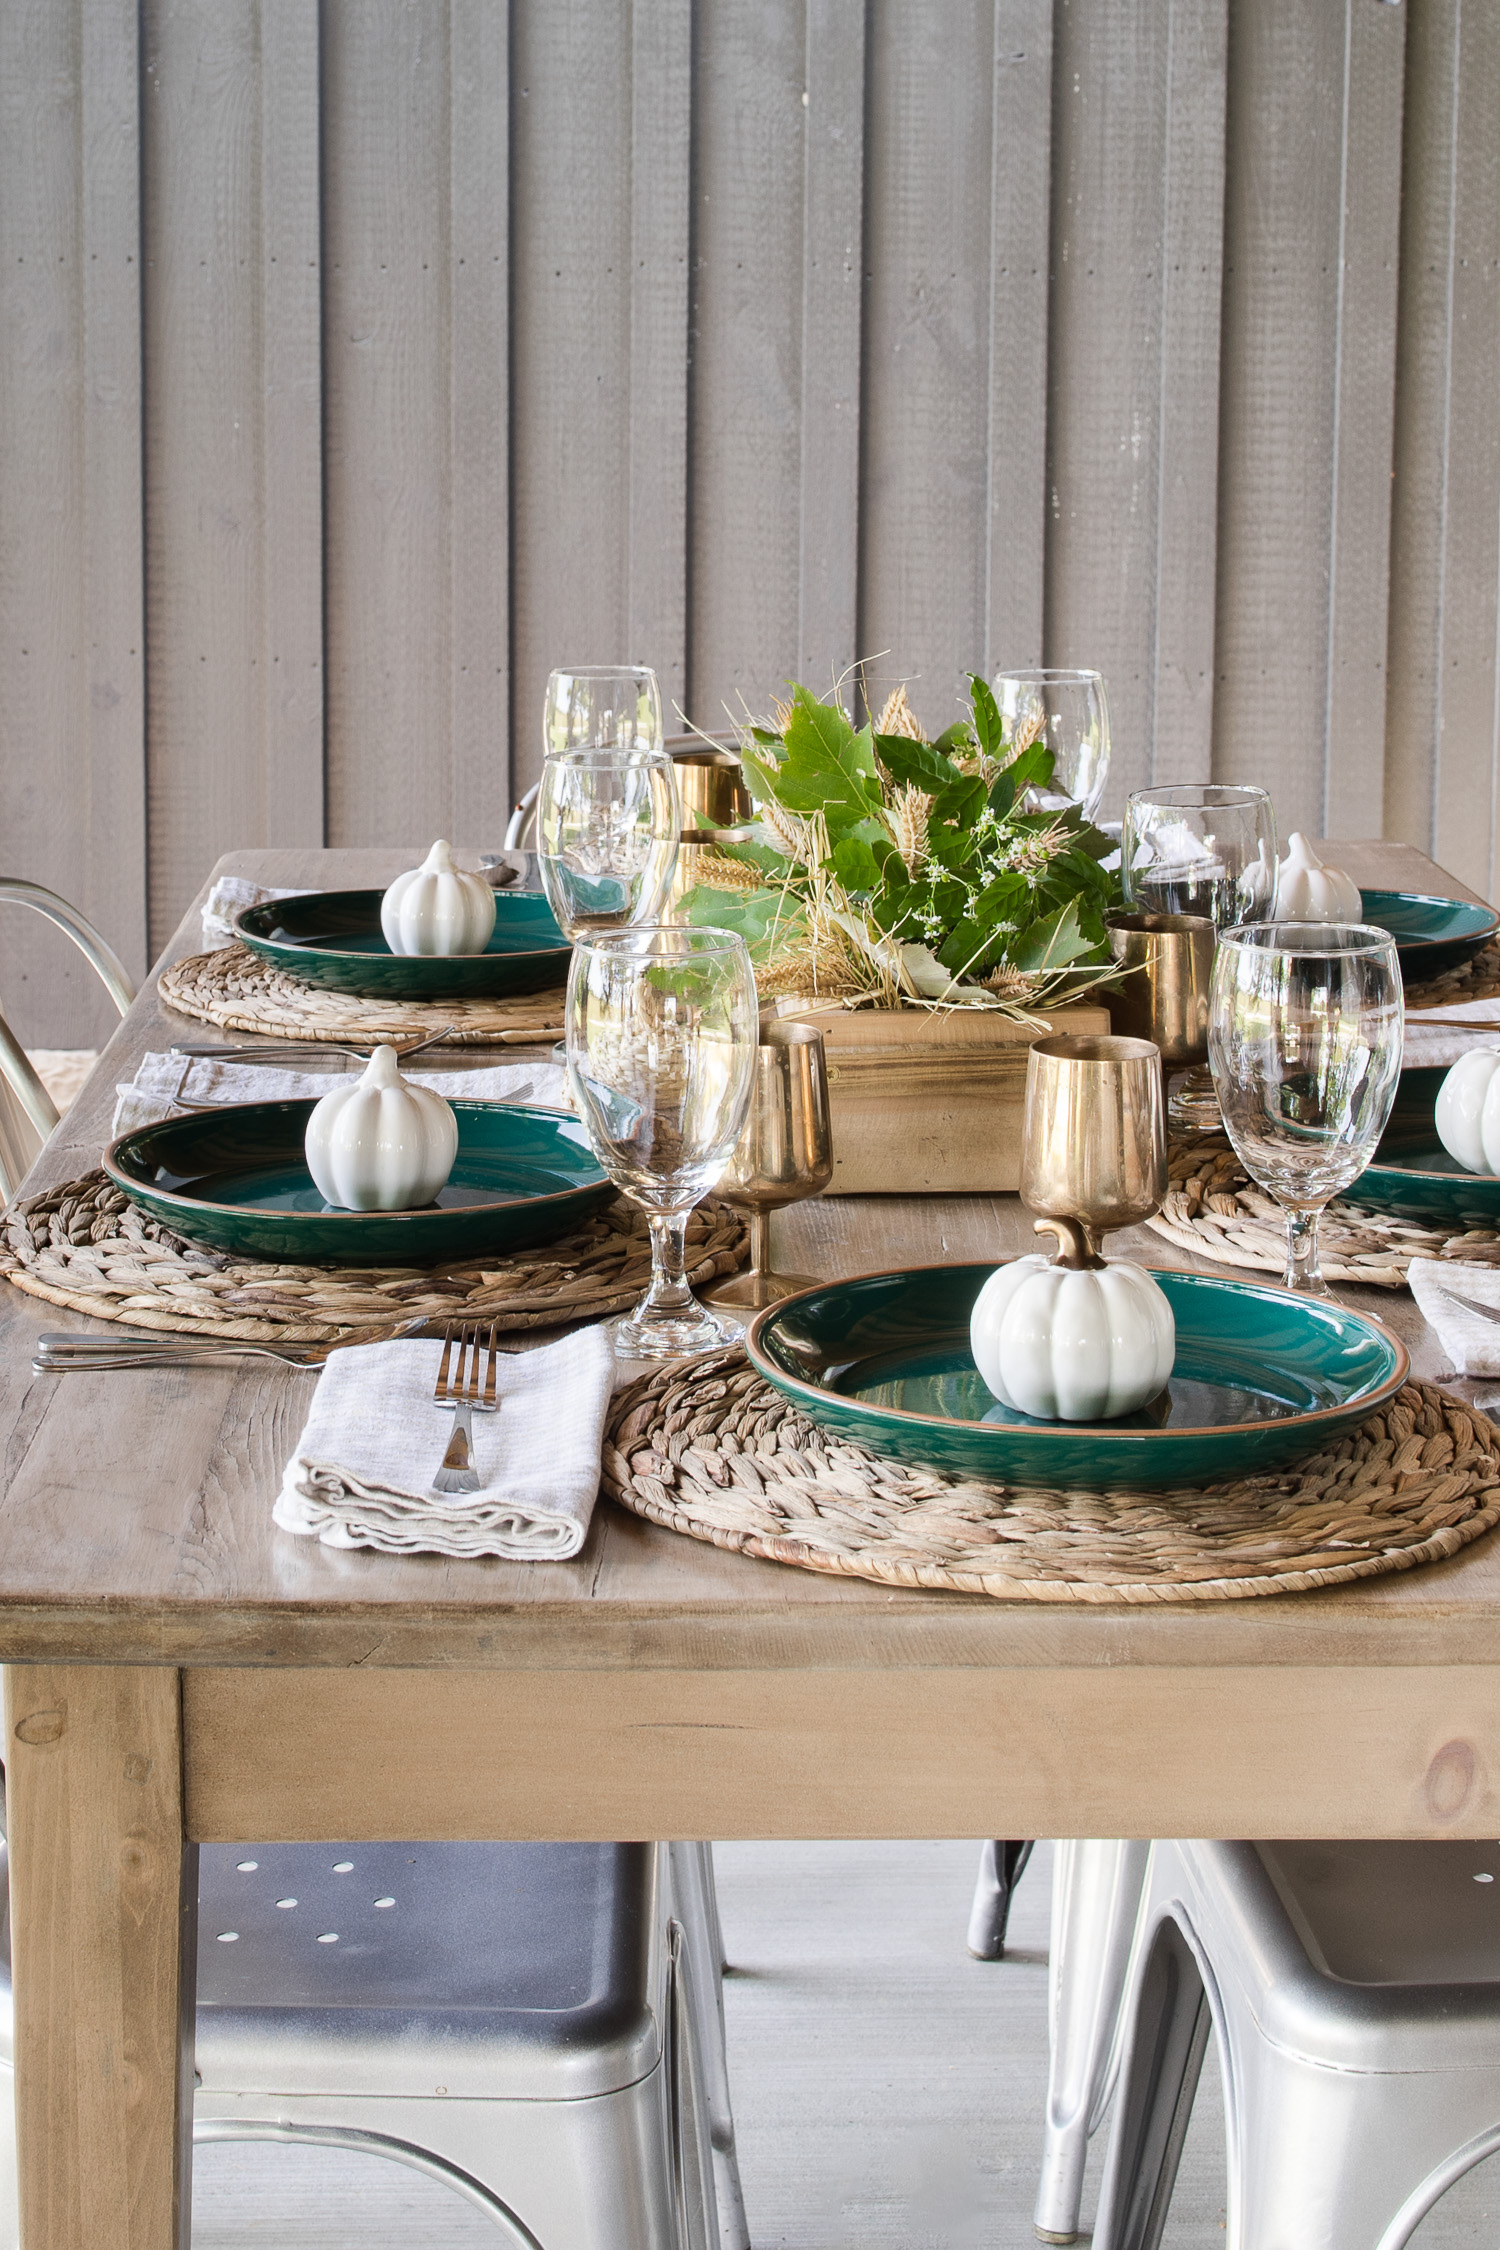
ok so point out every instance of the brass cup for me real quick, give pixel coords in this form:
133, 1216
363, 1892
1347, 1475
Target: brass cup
784, 1155
1164, 998
716, 810
1095, 1137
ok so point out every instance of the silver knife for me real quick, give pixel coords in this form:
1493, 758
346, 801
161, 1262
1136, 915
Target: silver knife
66, 1352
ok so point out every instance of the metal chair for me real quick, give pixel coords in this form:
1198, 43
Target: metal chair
27, 1111
539, 2026
1354, 1993
1001, 1866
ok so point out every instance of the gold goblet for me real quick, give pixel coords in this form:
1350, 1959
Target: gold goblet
1164, 998
1095, 1145
784, 1155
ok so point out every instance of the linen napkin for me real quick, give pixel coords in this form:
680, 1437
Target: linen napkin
165, 1085
1471, 1342
362, 1472
1432, 1046
228, 895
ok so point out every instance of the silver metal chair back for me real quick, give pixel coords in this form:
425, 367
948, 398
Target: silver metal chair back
27, 1112
1353, 1991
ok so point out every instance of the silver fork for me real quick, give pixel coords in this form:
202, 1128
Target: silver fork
466, 1394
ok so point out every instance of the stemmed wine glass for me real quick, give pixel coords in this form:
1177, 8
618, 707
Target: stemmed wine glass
1304, 1036
608, 813
1070, 712
1206, 848
662, 1033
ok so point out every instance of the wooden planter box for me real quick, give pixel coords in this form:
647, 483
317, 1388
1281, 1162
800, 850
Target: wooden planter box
929, 1104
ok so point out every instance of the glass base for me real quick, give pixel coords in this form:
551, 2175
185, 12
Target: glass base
1192, 1102
673, 1335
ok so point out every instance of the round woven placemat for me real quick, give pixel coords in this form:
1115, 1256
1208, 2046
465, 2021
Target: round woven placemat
85, 1246
1215, 1209
707, 1448
1478, 978
236, 989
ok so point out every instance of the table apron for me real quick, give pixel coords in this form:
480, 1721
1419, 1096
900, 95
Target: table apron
1165, 1751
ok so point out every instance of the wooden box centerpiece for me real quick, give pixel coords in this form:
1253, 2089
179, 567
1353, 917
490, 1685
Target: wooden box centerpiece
934, 908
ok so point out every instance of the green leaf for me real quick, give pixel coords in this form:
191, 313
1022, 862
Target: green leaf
1051, 943
919, 765
959, 803
960, 736
828, 768
853, 861
756, 916
989, 729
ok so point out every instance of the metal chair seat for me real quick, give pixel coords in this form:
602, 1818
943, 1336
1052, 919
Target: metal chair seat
1353, 1990
537, 2025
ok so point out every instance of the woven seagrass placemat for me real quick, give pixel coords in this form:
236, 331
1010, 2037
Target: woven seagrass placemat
707, 1448
1478, 978
239, 991
84, 1245
1215, 1209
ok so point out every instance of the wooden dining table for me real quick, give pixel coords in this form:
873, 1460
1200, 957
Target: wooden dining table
178, 1671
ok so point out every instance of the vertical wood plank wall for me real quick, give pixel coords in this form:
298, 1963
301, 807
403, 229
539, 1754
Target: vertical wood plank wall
361, 359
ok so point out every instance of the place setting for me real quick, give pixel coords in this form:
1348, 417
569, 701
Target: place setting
394, 1215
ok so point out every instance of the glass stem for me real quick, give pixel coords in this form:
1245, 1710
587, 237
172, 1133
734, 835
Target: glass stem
670, 1290
760, 1243
1302, 1269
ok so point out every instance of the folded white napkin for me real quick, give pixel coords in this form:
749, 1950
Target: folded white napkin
228, 895
1471, 1342
1432, 1046
165, 1085
362, 1472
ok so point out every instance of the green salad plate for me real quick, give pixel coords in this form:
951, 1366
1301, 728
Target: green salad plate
1261, 1378
334, 939
236, 1179
1432, 934
1412, 1173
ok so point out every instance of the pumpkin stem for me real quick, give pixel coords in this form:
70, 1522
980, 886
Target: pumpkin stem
1076, 1246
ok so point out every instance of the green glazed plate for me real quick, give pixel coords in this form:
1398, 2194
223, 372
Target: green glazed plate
1431, 934
1413, 1174
334, 938
1261, 1378
236, 1179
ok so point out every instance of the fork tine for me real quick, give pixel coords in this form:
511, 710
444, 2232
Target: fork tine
440, 1391
489, 1379
475, 1342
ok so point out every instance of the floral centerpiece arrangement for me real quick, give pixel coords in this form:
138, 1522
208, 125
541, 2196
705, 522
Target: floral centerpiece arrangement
887, 870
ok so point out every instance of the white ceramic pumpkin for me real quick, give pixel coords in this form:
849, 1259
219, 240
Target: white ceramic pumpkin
1467, 1113
438, 908
1307, 891
381, 1143
1072, 1342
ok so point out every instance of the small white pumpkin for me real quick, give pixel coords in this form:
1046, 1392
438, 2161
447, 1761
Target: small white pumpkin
438, 908
381, 1143
1069, 1341
1467, 1113
1308, 891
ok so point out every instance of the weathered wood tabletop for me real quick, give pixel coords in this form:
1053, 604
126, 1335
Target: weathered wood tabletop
178, 1670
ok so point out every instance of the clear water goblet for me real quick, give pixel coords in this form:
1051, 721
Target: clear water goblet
1206, 848
1304, 1039
1070, 712
662, 1034
602, 707
607, 826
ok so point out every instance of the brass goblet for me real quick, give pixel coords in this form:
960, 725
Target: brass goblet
784, 1155
1095, 1145
1164, 998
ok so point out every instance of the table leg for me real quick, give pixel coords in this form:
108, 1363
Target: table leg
104, 1895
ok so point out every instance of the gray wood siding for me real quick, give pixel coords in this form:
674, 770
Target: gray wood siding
363, 359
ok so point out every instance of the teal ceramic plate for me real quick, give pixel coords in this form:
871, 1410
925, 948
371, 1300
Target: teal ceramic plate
1413, 1173
1261, 1378
1431, 934
236, 1178
334, 938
